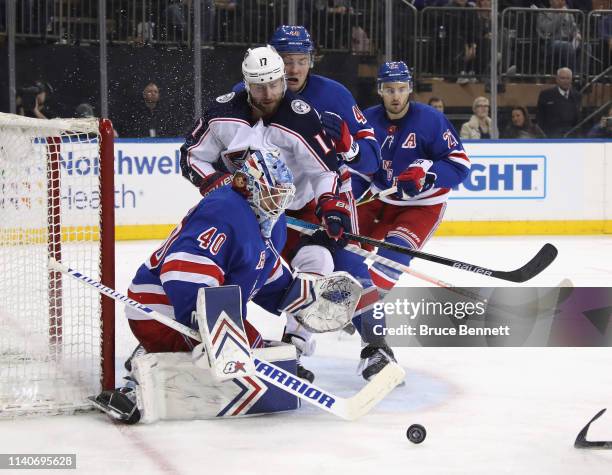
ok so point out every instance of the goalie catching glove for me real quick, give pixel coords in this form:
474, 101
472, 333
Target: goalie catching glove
337, 130
322, 304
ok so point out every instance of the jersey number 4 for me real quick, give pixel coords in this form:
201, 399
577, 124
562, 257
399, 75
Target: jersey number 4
359, 117
212, 240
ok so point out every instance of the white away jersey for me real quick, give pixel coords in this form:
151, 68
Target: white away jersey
221, 136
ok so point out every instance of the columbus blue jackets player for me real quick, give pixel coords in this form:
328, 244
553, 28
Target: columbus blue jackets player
423, 156
341, 117
232, 237
265, 116
362, 151
359, 156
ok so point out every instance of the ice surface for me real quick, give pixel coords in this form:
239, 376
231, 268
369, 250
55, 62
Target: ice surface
486, 410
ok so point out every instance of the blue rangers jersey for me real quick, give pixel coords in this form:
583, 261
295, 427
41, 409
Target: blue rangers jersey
218, 243
325, 94
423, 133
227, 129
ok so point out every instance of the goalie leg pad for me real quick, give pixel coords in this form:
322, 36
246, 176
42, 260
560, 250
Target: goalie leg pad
219, 317
171, 387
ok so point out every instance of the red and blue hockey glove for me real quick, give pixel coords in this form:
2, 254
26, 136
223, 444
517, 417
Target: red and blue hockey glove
415, 179
334, 213
337, 130
213, 181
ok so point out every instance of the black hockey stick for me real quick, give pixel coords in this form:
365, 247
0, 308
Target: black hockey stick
582, 443
537, 264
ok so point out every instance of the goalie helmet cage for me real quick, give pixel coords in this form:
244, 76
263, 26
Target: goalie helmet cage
56, 200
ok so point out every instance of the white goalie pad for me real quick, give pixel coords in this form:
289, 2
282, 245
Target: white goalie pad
171, 387
322, 304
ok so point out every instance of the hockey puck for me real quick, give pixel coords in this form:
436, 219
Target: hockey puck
416, 433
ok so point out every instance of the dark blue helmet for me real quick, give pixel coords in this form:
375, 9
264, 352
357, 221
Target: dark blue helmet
292, 39
394, 71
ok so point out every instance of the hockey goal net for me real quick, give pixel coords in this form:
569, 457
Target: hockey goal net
56, 201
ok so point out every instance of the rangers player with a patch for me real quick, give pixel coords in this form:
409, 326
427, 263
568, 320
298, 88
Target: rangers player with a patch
422, 156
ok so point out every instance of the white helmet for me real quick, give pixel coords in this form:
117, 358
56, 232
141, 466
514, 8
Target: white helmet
262, 65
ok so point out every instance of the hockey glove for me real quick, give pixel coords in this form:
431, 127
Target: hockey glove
335, 215
213, 181
415, 179
337, 130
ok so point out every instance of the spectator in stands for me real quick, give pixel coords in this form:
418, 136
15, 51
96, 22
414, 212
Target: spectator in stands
479, 125
603, 129
461, 37
32, 100
520, 4
584, 5
559, 107
338, 19
176, 22
561, 34
481, 39
521, 126
226, 19
208, 9
150, 116
84, 111
436, 103
420, 4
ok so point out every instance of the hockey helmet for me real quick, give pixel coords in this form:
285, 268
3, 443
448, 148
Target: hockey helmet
292, 39
267, 183
262, 65
394, 71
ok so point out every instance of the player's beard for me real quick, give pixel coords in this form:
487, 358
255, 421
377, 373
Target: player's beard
399, 109
266, 110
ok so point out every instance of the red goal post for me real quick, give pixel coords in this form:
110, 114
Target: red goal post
56, 200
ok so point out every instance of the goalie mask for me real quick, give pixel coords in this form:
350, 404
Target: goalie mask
267, 184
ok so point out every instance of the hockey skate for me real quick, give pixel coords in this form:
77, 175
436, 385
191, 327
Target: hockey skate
374, 357
120, 404
298, 342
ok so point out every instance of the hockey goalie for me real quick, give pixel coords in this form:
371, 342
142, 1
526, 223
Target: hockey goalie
223, 254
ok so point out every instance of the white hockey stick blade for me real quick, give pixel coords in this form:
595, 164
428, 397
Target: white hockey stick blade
380, 194
375, 391
347, 408
387, 192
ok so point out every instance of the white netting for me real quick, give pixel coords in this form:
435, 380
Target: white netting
49, 324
